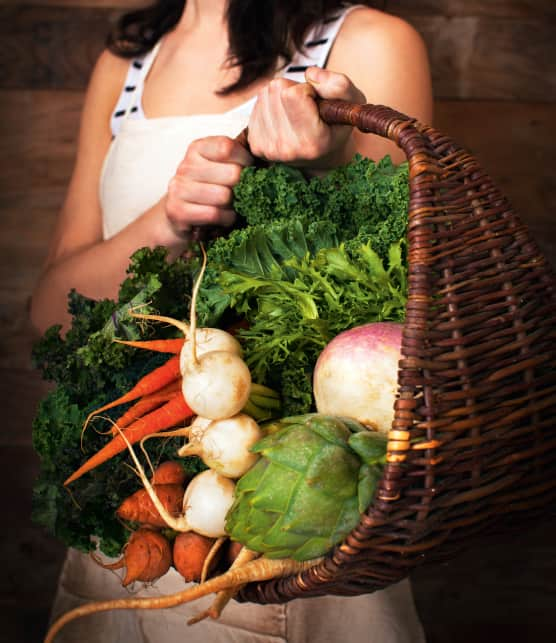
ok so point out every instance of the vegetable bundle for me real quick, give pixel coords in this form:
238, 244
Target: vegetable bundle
308, 260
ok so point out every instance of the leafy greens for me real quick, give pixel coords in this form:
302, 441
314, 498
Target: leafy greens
308, 259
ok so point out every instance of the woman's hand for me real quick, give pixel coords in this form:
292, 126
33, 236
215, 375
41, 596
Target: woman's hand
200, 193
285, 124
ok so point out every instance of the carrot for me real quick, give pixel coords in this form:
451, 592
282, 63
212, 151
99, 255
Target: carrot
190, 552
146, 404
258, 570
146, 556
140, 508
169, 472
174, 411
156, 345
153, 381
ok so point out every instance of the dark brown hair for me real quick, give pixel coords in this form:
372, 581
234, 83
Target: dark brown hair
260, 31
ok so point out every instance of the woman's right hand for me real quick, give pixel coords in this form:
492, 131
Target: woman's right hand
200, 193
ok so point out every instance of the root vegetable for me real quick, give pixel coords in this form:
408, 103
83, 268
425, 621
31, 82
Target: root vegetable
356, 374
258, 570
217, 384
169, 472
140, 508
206, 501
153, 381
223, 597
146, 556
174, 411
189, 553
156, 345
224, 445
206, 339
146, 404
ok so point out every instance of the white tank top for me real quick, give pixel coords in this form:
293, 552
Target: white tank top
145, 152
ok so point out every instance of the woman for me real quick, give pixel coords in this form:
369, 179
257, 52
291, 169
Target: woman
157, 156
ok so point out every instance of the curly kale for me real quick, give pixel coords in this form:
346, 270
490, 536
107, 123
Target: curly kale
89, 369
362, 199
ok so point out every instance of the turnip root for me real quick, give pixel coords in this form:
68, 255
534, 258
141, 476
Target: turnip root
224, 445
356, 374
206, 501
257, 570
216, 385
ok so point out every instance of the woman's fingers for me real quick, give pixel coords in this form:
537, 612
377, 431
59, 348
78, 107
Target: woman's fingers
286, 126
201, 193
332, 85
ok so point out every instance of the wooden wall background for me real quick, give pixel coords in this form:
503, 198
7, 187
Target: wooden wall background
494, 72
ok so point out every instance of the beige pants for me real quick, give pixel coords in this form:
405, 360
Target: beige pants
386, 616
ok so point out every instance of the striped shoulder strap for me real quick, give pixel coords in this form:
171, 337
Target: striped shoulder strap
129, 101
317, 46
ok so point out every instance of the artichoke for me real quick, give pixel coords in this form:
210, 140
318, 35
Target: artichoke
316, 475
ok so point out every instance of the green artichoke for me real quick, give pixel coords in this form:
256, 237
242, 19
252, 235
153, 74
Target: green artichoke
315, 477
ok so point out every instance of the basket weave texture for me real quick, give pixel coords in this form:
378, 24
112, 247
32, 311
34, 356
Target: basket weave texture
472, 448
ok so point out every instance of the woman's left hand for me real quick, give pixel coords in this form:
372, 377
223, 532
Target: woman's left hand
285, 124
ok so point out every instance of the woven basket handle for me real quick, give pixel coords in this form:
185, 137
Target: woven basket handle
372, 119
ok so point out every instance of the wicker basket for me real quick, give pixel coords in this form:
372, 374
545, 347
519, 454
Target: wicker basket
472, 447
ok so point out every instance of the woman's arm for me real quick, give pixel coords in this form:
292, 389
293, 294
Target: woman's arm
377, 58
78, 257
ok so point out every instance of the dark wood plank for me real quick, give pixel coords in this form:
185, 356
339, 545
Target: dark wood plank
53, 47
492, 8
514, 144
472, 56
506, 8
489, 58
30, 558
39, 139
21, 389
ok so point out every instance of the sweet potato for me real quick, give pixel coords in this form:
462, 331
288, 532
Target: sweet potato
139, 507
189, 554
169, 472
146, 556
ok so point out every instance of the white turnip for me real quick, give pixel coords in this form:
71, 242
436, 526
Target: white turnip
356, 374
224, 445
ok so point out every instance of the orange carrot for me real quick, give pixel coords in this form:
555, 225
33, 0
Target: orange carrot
156, 345
153, 381
146, 404
140, 508
174, 411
